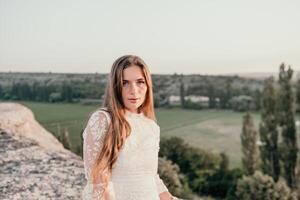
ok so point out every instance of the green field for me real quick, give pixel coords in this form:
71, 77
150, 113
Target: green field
215, 130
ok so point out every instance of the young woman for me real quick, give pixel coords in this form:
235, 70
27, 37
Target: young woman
121, 140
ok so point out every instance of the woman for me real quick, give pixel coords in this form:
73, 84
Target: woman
121, 140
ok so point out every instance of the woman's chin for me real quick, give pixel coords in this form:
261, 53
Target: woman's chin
133, 108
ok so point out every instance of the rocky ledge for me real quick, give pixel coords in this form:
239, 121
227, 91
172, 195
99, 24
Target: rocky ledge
33, 164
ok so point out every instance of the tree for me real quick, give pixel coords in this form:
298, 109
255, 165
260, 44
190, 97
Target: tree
14, 92
269, 151
226, 94
65, 139
263, 187
172, 177
222, 182
79, 147
298, 96
197, 164
224, 164
1, 92
182, 93
54, 97
286, 120
67, 92
211, 95
250, 158
207, 173
257, 95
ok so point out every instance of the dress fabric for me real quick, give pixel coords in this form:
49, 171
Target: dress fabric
134, 175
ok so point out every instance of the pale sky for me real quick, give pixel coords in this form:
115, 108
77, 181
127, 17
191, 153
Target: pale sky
191, 36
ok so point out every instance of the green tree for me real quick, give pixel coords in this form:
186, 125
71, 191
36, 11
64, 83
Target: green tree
222, 182
65, 139
269, 151
211, 92
250, 159
182, 92
79, 147
224, 164
286, 120
257, 97
298, 96
226, 94
1, 92
175, 181
263, 187
67, 92
206, 172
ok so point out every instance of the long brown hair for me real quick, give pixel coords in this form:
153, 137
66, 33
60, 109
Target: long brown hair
119, 129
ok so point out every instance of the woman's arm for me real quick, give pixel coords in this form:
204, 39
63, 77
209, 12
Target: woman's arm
166, 196
93, 137
163, 191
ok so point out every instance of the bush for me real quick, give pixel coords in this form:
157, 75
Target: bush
175, 181
206, 172
188, 104
55, 97
263, 187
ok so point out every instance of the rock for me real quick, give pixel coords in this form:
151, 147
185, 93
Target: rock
19, 120
31, 167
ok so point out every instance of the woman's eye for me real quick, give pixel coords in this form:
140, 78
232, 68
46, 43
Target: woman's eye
141, 82
125, 83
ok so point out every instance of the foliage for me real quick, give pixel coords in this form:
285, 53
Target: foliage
286, 120
263, 187
175, 181
249, 140
268, 132
207, 173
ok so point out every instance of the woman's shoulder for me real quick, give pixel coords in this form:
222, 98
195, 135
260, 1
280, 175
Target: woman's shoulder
99, 118
152, 122
97, 124
100, 114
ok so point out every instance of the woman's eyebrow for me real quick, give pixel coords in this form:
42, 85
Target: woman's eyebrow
139, 79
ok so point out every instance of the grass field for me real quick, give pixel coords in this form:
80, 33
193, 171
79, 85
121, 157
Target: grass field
215, 130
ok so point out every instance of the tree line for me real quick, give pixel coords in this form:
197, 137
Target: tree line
50, 88
44, 92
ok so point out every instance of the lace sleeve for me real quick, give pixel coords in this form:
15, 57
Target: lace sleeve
160, 185
93, 137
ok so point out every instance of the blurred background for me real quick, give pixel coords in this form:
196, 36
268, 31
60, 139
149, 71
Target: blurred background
225, 74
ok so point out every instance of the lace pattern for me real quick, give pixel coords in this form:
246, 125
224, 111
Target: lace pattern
93, 137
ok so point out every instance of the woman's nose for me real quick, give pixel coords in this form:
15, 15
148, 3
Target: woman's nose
133, 88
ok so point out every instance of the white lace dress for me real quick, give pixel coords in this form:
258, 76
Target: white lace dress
134, 175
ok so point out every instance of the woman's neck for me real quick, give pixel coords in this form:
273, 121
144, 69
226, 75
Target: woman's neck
132, 111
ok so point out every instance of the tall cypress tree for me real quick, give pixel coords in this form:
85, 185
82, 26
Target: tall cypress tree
286, 119
269, 152
182, 92
211, 95
298, 96
1, 92
250, 151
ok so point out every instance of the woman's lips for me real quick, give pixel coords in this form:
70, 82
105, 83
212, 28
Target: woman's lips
133, 100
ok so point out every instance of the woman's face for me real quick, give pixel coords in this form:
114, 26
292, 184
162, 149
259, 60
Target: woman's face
134, 88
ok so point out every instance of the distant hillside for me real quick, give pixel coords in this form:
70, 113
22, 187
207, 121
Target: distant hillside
8, 78
264, 75
166, 83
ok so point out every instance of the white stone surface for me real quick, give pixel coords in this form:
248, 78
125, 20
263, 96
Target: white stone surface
33, 164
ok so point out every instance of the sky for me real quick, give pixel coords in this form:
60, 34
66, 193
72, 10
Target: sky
192, 36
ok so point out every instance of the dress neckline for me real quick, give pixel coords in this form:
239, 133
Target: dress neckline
132, 114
